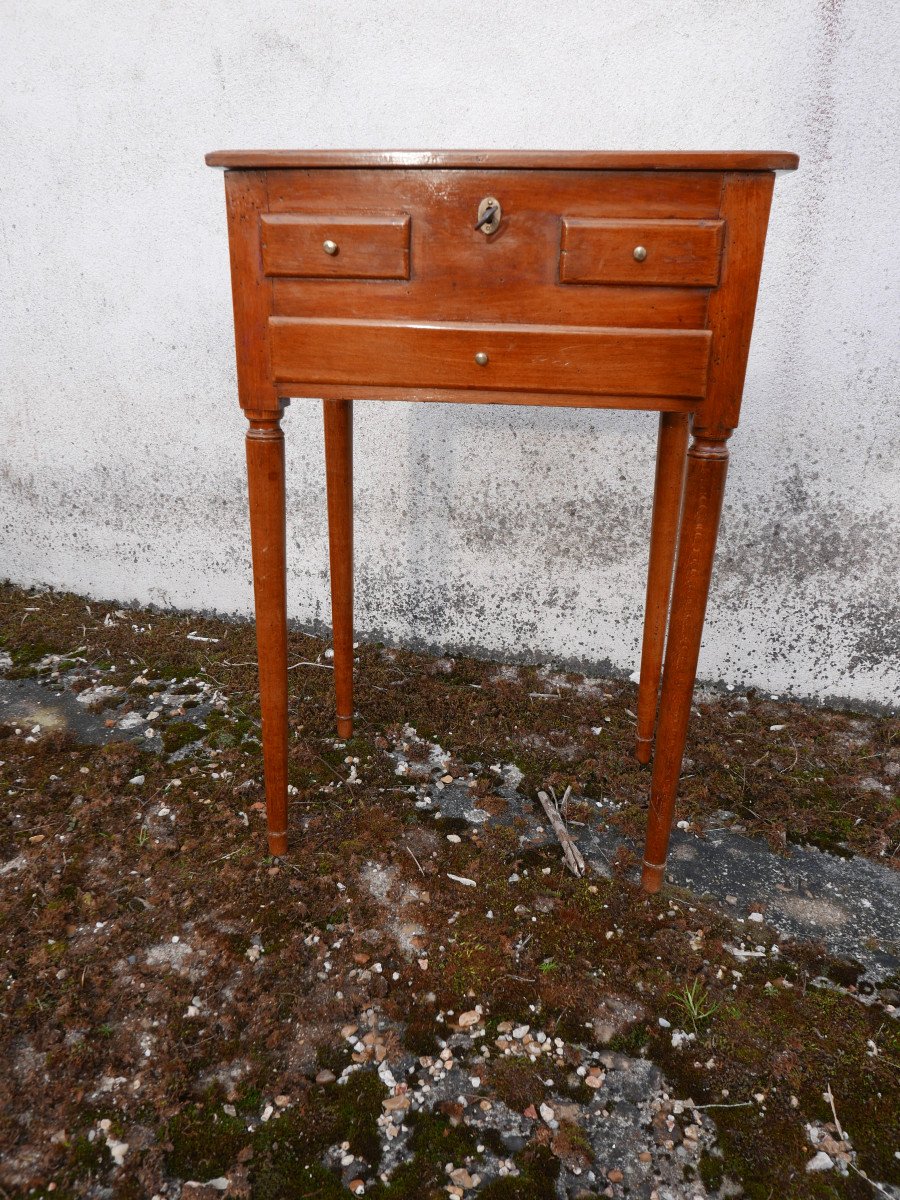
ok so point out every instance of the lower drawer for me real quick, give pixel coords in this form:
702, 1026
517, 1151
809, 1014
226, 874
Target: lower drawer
581, 360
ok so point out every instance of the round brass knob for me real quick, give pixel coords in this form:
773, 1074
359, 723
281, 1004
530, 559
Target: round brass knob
640, 253
481, 358
329, 246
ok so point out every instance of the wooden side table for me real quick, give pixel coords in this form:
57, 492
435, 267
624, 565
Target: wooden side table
592, 280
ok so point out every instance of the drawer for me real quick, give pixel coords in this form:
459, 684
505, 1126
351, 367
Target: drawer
531, 358
307, 245
671, 252
453, 272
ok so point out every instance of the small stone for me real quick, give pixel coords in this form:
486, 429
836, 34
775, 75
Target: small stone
454, 837
324, 1076
357, 1187
645, 1156
520, 1031
462, 1178
615, 1175
820, 1162
36, 839
664, 1024
755, 916
468, 1018
547, 1113
348, 1031
137, 780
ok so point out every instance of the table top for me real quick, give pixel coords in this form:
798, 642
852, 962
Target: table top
526, 160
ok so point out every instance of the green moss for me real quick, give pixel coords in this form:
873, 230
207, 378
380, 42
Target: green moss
288, 1148
25, 657
538, 1170
712, 1172
205, 1142
516, 1082
632, 1042
87, 1158
179, 734
434, 1142
420, 1035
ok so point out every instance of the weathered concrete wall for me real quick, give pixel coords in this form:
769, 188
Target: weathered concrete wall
508, 530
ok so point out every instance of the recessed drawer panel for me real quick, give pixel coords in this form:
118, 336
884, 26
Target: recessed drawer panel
579, 360
323, 247
671, 252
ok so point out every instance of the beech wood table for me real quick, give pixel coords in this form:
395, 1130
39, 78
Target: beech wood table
590, 280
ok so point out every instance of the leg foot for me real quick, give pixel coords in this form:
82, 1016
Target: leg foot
652, 877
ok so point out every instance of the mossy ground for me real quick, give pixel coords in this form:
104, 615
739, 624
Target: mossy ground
97, 988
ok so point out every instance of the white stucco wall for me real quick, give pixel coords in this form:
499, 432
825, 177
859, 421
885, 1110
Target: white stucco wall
510, 531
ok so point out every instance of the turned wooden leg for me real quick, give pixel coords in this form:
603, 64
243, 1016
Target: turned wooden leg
265, 477
707, 462
670, 460
339, 481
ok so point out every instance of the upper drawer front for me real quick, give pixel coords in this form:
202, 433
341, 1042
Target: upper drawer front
326, 247
500, 358
672, 252
454, 272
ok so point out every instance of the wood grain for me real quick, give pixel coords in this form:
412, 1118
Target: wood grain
707, 462
533, 358
530, 160
265, 478
520, 399
338, 415
677, 252
745, 210
368, 247
245, 198
667, 492
458, 274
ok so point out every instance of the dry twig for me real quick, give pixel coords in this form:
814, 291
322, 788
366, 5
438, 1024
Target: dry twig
571, 853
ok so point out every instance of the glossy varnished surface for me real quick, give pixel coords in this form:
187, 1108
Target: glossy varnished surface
360, 274
458, 274
533, 358
530, 160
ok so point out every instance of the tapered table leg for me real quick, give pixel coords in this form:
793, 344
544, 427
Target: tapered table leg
265, 477
338, 416
670, 460
707, 463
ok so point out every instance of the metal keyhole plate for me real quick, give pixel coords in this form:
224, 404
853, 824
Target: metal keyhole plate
493, 224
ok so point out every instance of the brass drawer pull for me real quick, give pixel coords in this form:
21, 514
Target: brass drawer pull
331, 247
481, 358
640, 253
